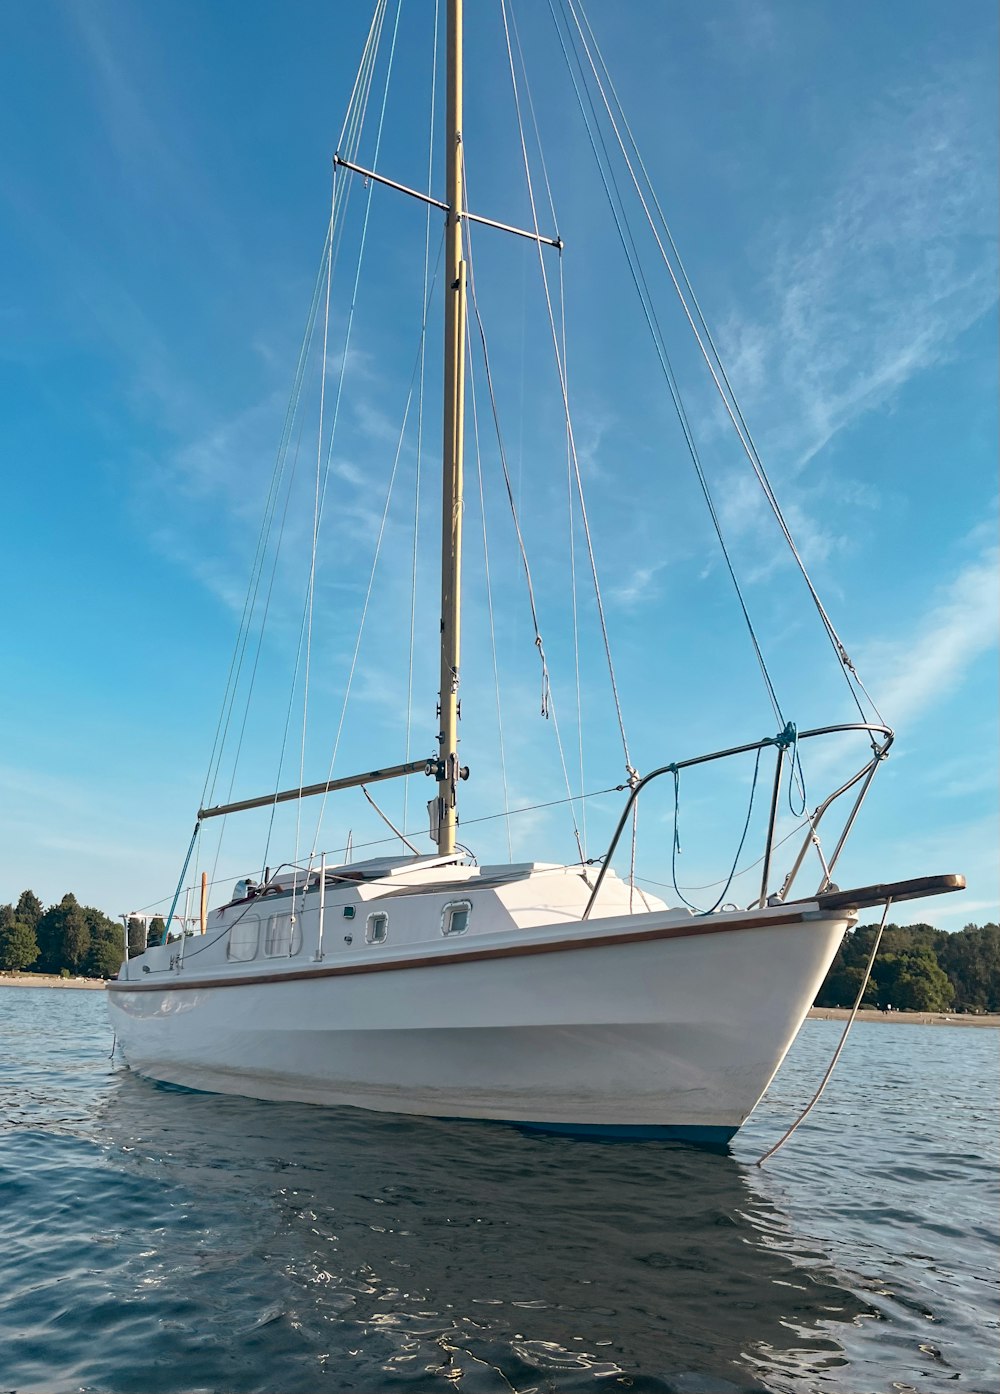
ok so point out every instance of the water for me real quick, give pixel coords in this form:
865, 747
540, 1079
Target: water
157, 1240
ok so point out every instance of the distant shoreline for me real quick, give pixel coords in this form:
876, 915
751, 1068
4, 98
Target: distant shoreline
815, 1014
48, 980
905, 1018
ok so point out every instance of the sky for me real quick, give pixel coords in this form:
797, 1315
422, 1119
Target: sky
828, 172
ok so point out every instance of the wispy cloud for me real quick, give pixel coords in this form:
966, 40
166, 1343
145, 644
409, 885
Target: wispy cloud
744, 513
968, 847
639, 586
902, 261
962, 623
915, 671
967, 911
144, 131
965, 776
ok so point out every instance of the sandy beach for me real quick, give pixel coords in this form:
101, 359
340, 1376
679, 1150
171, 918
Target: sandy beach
903, 1018
47, 980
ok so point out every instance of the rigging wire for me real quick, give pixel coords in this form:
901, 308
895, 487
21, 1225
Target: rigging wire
627, 238
837, 1053
711, 885
420, 418
311, 587
378, 549
320, 491
560, 366
569, 444
739, 850
352, 130
512, 813
571, 514
288, 721
548, 708
258, 565
382, 841
354, 125
559, 340
582, 835
268, 595
388, 822
489, 595
717, 371
370, 48
360, 261
546, 693
532, 808
350, 139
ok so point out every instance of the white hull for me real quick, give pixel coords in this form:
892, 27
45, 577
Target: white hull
679, 1034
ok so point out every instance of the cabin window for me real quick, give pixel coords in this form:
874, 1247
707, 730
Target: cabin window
243, 938
455, 917
282, 938
378, 927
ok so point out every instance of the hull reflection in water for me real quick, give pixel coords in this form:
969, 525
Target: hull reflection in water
387, 1252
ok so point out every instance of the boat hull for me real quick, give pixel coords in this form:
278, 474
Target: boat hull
676, 1036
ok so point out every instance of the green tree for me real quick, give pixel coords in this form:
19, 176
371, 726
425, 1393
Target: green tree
29, 909
106, 948
841, 987
63, 937
18, 946
912, 982
156, 931
76, 939
136, 937
970, 961
971, 958
49, 936
104, 957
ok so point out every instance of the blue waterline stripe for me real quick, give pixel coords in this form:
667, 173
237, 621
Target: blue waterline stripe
636, 1132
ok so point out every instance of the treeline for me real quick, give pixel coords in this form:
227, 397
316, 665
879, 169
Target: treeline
918, 969
67, 939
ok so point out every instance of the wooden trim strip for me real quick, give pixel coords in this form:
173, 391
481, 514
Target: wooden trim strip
685, 930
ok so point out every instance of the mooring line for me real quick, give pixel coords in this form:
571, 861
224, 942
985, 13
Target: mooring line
836, 1055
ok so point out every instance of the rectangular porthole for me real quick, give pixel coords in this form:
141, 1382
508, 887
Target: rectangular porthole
243, 939
455, 917
282, 938
378, 927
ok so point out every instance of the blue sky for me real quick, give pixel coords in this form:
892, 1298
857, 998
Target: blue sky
829, 176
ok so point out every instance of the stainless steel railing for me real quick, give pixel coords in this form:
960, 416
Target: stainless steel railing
881, 739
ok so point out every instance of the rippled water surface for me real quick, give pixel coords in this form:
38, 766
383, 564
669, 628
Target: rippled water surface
153, 1239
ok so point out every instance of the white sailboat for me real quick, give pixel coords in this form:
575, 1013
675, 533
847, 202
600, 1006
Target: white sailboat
549, 995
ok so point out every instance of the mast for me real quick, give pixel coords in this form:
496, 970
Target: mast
449, 771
